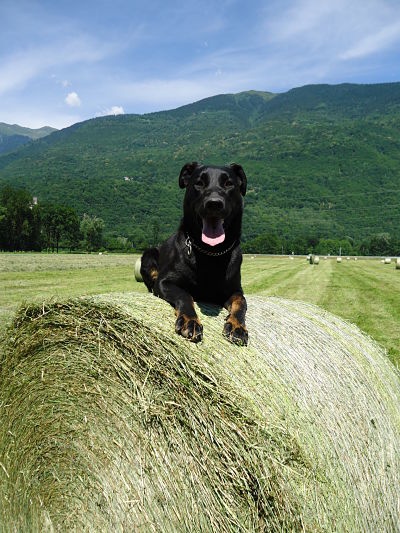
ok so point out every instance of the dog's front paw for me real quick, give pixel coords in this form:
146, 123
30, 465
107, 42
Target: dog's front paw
236, 332
189, 327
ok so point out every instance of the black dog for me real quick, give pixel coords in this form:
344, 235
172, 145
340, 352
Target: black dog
202, 260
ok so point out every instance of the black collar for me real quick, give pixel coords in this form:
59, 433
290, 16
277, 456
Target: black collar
189, 244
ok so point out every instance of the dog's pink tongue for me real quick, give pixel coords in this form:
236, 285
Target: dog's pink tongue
213, 232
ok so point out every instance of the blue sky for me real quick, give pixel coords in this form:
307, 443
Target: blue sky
66, 61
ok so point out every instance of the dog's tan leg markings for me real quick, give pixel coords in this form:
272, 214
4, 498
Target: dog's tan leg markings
189, 325
154, 274
235, 327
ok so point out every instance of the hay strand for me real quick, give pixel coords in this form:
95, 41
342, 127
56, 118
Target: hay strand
109, 421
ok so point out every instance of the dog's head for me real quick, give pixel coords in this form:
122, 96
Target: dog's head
213, 200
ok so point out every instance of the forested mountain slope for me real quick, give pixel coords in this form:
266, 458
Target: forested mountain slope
321, 161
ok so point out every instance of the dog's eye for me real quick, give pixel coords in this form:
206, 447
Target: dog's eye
199, 184
228, 183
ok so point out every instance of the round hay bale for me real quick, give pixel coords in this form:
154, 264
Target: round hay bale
387, 260
338, 260
397, 266
109, 421
138, 275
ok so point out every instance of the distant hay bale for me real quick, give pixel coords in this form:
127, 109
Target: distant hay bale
314, 260
338, 260
138, 275
387, 260
109, 421
397, 263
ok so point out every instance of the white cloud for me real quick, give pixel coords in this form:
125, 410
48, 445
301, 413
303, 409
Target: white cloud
73, 100
374, 42
334, 28
21, 67
116, 110
113, 110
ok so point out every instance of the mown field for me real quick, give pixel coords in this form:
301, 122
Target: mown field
365, 292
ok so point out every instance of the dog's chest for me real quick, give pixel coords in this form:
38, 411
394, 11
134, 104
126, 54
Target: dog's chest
212, 282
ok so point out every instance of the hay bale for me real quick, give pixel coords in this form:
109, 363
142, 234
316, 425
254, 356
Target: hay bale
338, 260
109, 421
397, 266
314, 260
387, 260
138, 275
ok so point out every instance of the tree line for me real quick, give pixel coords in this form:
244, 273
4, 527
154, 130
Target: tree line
379, 244
27, 226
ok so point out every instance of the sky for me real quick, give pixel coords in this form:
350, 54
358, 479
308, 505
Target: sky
63, 62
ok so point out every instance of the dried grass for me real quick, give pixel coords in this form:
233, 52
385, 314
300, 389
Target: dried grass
111, 422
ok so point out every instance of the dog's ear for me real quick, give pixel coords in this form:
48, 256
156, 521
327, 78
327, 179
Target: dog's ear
238, 170
186, 173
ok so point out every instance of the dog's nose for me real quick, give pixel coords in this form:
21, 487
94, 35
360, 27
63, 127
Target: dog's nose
214, 204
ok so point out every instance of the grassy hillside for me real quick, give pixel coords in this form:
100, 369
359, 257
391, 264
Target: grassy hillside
321, 160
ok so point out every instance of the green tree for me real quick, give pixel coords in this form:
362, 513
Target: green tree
72, 232
19, 220
334, 247
92, 231
378, 244
59, 223
267, 243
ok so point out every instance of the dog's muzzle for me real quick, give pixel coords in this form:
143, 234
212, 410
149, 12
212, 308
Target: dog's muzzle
212, 216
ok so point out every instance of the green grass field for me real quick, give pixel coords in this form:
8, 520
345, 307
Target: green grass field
365, 292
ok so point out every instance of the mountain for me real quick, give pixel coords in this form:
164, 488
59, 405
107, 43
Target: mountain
14, 136
321, 161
